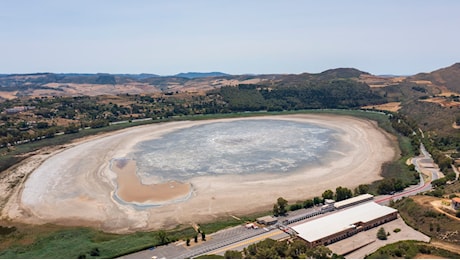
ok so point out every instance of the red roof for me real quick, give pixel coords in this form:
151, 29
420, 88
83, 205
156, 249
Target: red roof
456, 199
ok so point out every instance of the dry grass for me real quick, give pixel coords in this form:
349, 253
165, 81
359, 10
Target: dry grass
391, 106
448, 94
426, 256
380, 82
422, 82
442, 101
8, 94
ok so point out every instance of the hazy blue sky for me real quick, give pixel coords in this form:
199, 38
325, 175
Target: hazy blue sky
168, 37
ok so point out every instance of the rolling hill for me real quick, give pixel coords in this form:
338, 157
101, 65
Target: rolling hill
446, 79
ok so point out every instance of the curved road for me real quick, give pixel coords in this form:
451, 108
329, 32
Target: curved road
421, 187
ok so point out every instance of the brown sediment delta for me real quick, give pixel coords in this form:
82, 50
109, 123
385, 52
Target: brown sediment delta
130, 189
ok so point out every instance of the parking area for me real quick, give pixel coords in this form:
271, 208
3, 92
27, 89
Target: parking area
366, 242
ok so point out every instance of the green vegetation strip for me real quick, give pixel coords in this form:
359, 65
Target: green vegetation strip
410, 249
87, 243
427, 220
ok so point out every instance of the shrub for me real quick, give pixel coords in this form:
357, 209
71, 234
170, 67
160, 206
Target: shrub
308, 204
430, 214
295, 207
232, 254
381, 234
397, 230
95, 252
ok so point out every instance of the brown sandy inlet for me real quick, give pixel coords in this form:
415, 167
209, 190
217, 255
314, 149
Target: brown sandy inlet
131, 189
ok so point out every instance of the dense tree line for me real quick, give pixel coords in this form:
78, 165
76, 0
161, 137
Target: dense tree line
341, 193
309, 95
272, 249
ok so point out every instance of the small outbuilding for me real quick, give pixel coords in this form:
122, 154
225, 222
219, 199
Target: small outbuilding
267, 220
455, 203
353, 201
329, 201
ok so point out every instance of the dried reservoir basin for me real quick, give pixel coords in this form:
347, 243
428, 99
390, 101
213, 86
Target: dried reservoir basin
161, 175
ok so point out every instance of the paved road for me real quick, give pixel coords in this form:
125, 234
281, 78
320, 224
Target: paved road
457, 173
416, 189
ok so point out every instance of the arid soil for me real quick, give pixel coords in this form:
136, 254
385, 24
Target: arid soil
391, 106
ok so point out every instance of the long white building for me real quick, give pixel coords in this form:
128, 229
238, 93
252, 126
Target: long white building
344, 223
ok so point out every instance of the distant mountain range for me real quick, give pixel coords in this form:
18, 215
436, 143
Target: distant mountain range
189, 75
193, 75
74, 84
431, 99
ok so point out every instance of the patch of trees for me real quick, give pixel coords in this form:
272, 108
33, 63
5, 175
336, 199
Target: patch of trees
232, 254
280, 208
342, 193
243, 98
271, 249
388, 186
406, 127
447, 142
441, 159
403, 125
438, 183
362, 189
307, 95
419, 89
307, 203
409, 250
106, 79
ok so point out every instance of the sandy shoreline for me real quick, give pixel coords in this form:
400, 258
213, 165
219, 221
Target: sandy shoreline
76, 185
